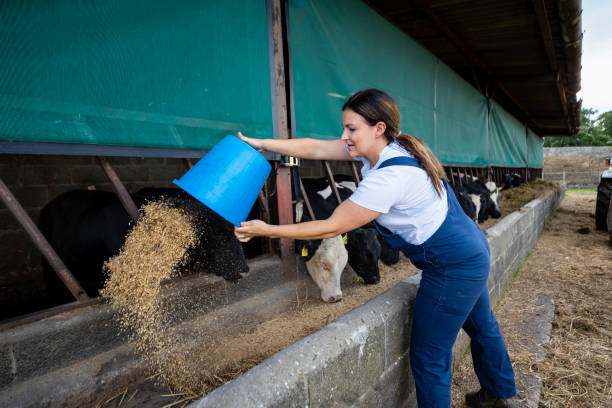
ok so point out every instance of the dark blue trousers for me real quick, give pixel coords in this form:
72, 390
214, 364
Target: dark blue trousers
453, 293
443, 305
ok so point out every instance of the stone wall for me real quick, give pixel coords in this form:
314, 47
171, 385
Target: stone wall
577, 166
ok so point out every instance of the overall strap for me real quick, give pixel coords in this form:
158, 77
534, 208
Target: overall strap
400, 161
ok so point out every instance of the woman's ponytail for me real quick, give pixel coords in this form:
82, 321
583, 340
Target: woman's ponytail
376, 106
426, 159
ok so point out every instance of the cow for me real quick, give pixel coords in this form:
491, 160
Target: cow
86, 228
484, 196
511, 180
255, 246
365, 246
325, 260
469, 202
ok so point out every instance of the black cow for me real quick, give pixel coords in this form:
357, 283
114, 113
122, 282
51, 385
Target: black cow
88, 227
511, 180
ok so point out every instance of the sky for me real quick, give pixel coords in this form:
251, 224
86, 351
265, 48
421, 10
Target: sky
596, 74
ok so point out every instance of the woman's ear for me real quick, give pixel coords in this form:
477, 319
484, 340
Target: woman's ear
381, 127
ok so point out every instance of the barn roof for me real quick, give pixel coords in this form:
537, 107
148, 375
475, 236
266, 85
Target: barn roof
525, 54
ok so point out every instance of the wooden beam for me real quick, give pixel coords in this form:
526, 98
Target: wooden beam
543, 23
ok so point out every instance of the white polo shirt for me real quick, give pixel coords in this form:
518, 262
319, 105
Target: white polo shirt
404, 195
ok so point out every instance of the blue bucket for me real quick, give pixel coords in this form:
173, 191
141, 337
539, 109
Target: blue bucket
227, 179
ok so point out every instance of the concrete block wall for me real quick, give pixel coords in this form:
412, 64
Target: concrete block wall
361, 359
578, 166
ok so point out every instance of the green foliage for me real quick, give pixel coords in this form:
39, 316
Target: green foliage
594, 131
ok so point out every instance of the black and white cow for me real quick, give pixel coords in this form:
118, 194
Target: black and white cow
88, 227
365, 246
483, 195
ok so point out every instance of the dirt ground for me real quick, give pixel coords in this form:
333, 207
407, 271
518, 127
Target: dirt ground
572, 264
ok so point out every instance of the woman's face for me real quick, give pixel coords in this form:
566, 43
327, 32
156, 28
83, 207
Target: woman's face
360, 137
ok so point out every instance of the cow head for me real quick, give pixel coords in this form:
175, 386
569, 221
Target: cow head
388, 254
495, 196
468, 205
364, 251
218, 251
325, 266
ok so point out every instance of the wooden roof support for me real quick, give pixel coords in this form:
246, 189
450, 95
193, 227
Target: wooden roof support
543, 22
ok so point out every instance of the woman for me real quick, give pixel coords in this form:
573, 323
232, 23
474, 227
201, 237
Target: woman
406, 195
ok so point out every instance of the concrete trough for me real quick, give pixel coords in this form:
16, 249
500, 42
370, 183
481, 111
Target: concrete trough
360, 359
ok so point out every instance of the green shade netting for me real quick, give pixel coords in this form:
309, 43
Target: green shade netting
340, 47
461, 121
508, 139
137, 73
535, 150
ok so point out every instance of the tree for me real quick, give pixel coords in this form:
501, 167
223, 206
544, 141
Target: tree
593, 131
605, 121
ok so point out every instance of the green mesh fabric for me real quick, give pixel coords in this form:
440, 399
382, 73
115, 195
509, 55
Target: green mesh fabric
183, 75
461, 121
136, 73
535, 150
343, 46
340, 47
508, 139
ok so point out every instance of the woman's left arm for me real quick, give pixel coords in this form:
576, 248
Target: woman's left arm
346, 217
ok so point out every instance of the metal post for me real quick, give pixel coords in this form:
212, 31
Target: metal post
355, 173
306, 201
264, 207
332, 182
280, 112
124, 196
41, 243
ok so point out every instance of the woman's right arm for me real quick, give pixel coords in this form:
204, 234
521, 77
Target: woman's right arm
313, 149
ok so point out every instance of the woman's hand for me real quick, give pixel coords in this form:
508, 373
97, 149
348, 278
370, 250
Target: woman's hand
256, 144
250, 229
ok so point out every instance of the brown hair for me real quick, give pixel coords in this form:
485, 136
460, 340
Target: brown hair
376, 106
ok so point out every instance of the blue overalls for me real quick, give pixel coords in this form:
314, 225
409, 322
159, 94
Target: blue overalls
453, 294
